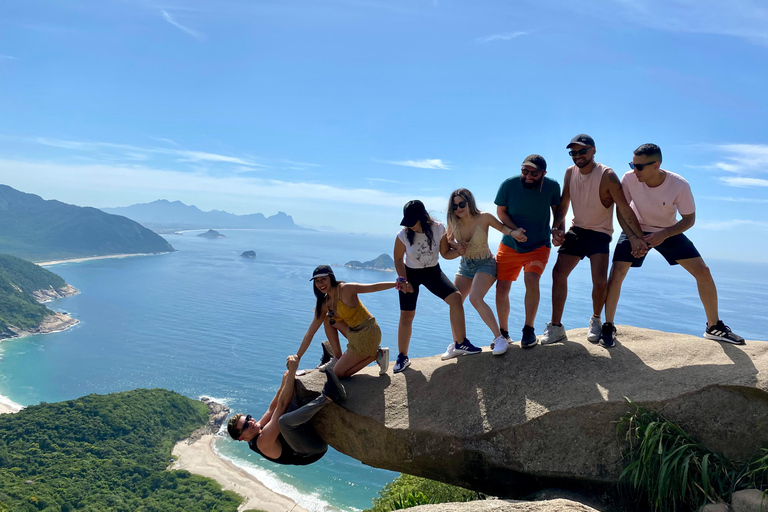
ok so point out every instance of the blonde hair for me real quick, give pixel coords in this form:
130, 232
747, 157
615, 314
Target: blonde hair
452, 220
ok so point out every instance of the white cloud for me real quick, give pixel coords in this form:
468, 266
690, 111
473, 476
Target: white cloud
500, 37
744, 158
167, 17
744, 182
736, 199
427, 163
730, 224
7, 57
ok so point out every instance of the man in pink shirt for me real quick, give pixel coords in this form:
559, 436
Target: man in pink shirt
656, 196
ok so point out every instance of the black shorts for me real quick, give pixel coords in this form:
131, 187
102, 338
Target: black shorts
674, 249
431, 277
585, 242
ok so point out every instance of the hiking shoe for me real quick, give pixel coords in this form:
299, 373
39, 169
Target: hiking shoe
499, 345
595, 329
552, 334
466, 348
401, 364
327, 354
330, 364
608, 335
383, 360
721, 332
450, 352
333, 389
529, 337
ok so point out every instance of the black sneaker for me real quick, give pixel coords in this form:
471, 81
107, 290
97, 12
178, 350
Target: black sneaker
327, 354
608, 335
529, 337
721, 332
401, 364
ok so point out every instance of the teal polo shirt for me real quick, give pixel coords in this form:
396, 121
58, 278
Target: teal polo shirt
530, 209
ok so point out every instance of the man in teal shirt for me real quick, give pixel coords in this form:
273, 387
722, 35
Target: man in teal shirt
523, 203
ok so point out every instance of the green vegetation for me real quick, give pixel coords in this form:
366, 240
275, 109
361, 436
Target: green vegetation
669, 470
104, 453
408, 491
39, 230
18, 279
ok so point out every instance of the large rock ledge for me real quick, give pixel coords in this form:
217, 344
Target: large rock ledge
51, 293
546, 416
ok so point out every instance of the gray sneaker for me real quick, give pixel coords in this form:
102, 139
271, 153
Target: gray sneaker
383, 360
595, 329
552, 334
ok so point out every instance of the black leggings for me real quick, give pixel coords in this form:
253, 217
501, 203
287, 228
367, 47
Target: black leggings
432, 278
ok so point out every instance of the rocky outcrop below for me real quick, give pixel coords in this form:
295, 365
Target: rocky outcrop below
52, 323
249, 254
546, 417
212, 234
51, 293
558, 505
218, 415
382, 262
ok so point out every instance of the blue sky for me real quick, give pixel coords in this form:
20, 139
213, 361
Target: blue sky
337, 112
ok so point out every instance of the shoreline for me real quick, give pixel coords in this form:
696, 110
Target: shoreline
57, 322
91, 258
8, 406
201, 458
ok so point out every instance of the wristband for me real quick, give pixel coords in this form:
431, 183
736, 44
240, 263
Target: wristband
399, 282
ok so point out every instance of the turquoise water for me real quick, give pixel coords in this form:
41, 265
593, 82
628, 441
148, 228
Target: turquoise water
204, 321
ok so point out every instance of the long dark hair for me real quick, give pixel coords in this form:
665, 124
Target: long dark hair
321, 296
426, 226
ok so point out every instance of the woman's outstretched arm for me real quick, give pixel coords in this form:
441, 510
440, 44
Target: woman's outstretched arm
313, 327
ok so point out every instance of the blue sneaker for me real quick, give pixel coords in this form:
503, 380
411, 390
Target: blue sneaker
401, 364
466, 348
529, 337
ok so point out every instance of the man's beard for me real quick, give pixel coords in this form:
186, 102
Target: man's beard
530, 185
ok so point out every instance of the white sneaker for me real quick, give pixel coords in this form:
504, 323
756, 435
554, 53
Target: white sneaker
500, 345
553, 333
450, 352
595, 329
383, 360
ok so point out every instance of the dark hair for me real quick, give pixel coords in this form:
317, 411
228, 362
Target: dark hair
232, 429
426, 226
649, 150
320, 296
452, 220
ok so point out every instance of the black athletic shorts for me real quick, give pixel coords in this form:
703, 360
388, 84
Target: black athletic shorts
432, 278
674, 248
585, 242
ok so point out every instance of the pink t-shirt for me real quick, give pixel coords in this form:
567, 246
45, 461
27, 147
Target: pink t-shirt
657, 207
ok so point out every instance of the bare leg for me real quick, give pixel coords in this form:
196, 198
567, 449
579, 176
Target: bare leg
562, 269
532, 296
333, 337
706, 284
349, 364
619, 271
480, 286
458, 326
464, 284
599, 266
404, 330
502, 302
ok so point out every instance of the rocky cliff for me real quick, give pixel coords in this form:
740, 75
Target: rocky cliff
546, 417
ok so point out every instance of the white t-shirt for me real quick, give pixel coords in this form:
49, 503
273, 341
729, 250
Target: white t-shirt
657, 207
420, 254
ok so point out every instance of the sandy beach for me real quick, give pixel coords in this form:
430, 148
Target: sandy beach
200, 458
90, 258
8, 407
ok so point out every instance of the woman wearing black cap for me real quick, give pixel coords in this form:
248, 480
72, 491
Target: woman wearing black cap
418, 247
338, 305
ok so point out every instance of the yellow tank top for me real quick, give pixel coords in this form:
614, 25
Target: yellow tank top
351, 316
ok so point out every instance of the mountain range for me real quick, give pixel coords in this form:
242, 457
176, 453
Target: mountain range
174, 215
39, 230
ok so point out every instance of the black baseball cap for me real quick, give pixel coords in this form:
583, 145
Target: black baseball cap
581, 139
321, 271
537, 161
413, 211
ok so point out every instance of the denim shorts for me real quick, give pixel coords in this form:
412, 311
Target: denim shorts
468, 267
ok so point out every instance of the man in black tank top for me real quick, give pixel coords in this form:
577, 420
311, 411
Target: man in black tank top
284, 434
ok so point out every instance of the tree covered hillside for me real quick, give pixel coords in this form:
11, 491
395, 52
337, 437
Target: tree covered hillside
18, 279
39, 230
104, 453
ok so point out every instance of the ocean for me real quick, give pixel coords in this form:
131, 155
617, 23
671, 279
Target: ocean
206, 321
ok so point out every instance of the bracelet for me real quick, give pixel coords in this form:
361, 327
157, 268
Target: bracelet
399, 282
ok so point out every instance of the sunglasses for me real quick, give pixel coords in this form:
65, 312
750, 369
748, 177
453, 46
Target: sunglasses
245, 425
526, 172
582, 151
640, 167
460, 204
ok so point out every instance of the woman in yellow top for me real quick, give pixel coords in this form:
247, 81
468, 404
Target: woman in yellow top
338, 306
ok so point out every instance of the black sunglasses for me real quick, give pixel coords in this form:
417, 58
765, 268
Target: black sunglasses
640, 167
460, 204
526, 172
582, 151
245, 425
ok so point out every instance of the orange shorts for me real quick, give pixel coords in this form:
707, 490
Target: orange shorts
509, 262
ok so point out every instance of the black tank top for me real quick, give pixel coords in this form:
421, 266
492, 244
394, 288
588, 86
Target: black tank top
288, 455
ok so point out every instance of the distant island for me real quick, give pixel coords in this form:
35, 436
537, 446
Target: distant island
169, 216
249, 254
38, 230
211, 233
383, 262
24, 286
